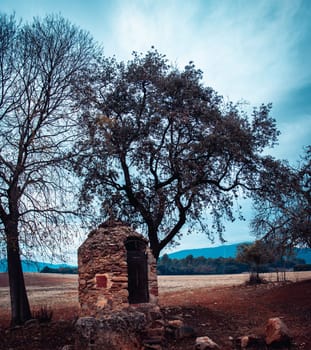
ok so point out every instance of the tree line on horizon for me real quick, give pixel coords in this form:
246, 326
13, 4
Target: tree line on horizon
218, 266
61, 270
86, 138
257, 257
205, 266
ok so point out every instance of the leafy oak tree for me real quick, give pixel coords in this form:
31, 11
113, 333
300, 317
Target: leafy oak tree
38, 64
255, 254
165, 152
283, 211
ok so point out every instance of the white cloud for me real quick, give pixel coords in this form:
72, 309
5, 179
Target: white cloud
246, 50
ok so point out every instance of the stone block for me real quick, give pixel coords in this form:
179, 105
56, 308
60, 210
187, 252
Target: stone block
205, 343
175, 323
121, 278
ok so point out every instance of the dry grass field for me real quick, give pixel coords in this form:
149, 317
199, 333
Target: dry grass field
220, 306
179, 283
55, 290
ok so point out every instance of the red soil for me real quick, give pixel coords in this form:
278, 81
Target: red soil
219, 313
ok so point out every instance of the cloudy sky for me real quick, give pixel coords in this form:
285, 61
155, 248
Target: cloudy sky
256, 51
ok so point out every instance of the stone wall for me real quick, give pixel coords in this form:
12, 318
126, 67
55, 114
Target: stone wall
119, 331
103, 270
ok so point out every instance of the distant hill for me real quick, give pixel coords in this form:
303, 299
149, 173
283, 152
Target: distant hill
225, 251
33, 266
229, 251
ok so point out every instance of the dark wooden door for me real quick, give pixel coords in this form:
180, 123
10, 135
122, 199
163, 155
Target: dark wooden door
137, 277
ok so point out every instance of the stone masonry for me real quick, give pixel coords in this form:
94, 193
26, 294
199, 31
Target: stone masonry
103, 270
118, 291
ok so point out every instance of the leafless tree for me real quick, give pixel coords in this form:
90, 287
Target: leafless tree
39, 63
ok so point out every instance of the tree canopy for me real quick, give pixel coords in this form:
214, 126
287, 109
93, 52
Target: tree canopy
205, 266
163, 151
283, 211
256, 255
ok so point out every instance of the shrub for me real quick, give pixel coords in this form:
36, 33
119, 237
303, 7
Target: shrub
44, 314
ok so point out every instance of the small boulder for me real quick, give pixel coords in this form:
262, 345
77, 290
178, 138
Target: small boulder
277, 332
172, 327
205, 343
244, 341
175, 323
250, 340
68, 347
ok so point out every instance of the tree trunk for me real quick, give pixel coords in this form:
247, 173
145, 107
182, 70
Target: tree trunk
155, 251
154, 243
20, 309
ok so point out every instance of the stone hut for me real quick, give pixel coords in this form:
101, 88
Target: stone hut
117, 270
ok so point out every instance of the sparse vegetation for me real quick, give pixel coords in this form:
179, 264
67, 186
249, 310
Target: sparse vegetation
43, 314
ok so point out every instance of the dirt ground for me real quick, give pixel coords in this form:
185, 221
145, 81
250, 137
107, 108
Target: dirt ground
223, 312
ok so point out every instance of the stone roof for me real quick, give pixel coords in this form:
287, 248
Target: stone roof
108, 234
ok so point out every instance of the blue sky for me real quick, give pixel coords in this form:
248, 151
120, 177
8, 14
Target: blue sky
256, 51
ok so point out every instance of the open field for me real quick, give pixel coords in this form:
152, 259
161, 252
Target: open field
179, 283
220, 306
55, 290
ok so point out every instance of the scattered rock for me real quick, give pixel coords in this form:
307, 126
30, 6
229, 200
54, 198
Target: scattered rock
85, 326
277, 332
244, 341
175, 323
153, 343
160, 322
205, 343
172, 327
68, 347
152, 347
155, 332
32, 322
250, 340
